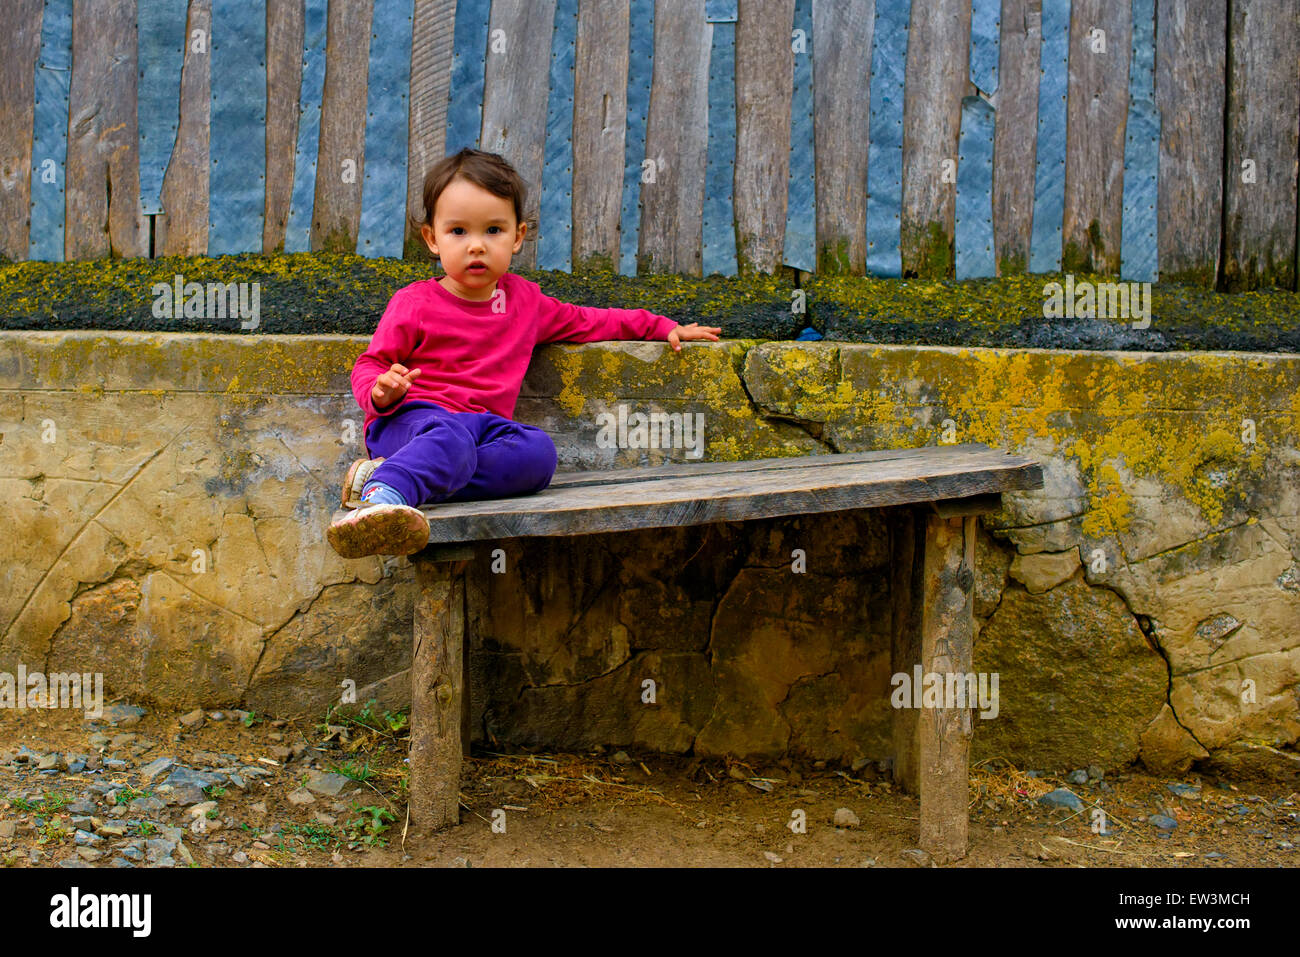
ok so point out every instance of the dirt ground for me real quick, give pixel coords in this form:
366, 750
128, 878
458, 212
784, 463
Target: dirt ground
563, 810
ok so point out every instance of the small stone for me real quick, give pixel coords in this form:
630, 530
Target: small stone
76, 763
774, 858
1078, 777
846, 818
7, 829
621, 757
132, 853
1096, 772
90, 853
121, 740
118, 862
184, 852
123, 715
301, 796
1062, 797
201, 779
1184, 790
239, 857
110, 830
200, 810
258, 808
147, 805
327, 783
86, 839
51, 762
917, 857
203, 826
218, 849
216, 716
1162, 821
158, 849
99, 740
321, 818
156, 769
737, 774
237, 781
192, 720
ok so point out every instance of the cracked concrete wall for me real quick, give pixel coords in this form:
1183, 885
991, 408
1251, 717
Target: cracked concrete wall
169, 494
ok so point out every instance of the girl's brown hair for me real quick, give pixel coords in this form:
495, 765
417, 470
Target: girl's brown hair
491, 171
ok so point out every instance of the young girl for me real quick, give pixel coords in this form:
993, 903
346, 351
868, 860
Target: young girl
439, 382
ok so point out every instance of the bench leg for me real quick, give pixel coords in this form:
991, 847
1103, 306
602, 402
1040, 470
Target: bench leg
438, 694
934, 625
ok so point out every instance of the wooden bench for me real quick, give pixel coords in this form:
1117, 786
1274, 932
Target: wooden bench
934, 496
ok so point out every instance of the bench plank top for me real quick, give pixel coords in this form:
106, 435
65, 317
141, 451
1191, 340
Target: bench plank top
677, 494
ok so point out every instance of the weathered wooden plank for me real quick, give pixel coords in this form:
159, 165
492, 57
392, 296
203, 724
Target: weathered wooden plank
599, 130
182, 228
671, 239
103, 188
842, 97
762, 493
20, 42
1259, 224
679, 469
764, 89
1100, 41
907, 551
1191, 50
48, 184
284, 31
938, 61
514, 97
944, 733
437, 691
1016, 134
340, 165
433, 32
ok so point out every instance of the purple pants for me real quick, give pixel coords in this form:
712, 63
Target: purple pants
434, 455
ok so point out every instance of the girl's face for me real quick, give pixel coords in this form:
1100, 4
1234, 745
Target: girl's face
475, 235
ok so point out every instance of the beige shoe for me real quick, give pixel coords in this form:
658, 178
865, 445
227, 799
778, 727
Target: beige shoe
358, 475
379, 530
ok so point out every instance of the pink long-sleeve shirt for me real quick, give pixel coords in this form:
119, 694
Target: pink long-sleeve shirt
472, 356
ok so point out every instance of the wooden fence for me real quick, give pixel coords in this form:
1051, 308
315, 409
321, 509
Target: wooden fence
895, 137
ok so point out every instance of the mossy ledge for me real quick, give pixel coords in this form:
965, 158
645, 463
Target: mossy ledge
313, 293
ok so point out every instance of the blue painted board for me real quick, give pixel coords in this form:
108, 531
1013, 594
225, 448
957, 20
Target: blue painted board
382, 229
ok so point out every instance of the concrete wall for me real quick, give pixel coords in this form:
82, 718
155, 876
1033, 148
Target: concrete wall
168, 496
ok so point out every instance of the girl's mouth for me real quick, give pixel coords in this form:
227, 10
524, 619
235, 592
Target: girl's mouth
477, 270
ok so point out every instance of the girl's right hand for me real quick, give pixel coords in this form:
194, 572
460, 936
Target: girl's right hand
392, 385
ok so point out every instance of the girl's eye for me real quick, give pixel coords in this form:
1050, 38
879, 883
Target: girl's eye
457, 230
494, 229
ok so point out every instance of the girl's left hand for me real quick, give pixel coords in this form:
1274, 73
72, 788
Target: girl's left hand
693, 331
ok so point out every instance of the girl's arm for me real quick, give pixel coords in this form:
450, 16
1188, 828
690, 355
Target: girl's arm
565, 322
394, 341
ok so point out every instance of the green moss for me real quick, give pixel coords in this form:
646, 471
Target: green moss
833, 259
927, 251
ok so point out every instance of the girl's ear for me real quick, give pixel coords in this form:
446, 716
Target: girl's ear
426, 233
519, 236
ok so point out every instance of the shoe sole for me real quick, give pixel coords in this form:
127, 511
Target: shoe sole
380, 530
356, 479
